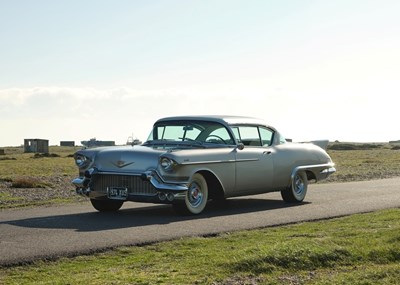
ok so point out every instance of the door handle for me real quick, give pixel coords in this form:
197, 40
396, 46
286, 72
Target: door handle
267, 152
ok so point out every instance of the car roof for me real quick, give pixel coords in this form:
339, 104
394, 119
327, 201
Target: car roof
227, 119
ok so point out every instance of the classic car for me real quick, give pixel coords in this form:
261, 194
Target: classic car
189, 160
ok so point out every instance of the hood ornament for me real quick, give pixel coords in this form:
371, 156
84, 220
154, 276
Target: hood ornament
121, 163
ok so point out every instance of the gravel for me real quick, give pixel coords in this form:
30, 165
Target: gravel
60, 188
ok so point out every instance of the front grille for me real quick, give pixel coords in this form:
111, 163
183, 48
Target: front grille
135, 185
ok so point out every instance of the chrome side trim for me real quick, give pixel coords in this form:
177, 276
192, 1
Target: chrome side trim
328, 169
219, 161
207, 162
247, 159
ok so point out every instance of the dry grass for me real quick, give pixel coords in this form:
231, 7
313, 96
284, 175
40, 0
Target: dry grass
365, 164
28, 182
27, 179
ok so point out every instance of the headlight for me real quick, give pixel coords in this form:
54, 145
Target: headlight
167, 164
81, 161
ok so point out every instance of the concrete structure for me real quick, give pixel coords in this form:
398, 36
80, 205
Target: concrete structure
36, 145
67, 143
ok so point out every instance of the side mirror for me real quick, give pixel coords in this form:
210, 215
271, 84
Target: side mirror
240, 146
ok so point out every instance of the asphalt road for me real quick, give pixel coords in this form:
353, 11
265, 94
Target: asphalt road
50, 232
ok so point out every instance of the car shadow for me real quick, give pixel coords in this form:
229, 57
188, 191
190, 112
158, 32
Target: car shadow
149, 215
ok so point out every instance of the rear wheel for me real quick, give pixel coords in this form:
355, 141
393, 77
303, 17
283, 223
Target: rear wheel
106, 205
297, 190
196, 197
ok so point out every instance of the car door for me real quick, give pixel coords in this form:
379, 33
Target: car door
254, 163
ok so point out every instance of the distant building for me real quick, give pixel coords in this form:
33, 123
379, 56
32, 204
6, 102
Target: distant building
2, 151
95, 143
36, 145
67, 143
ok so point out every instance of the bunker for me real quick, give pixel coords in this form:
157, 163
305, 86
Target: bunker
36, 145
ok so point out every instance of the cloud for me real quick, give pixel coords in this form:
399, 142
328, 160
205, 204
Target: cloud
58, 113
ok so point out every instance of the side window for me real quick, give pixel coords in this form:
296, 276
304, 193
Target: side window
249, 135
219, 134
253, 135
236, 133
266, 136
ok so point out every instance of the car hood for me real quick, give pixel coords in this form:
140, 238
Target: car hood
136, 159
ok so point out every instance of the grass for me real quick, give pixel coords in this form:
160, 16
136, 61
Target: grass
19, 164
359, 249
30, 180
365, 164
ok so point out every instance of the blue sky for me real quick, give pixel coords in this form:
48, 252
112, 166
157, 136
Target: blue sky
73, 70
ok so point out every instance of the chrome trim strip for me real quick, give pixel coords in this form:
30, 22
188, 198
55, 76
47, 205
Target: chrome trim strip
329, 167
207, 162
247, 159
219, 161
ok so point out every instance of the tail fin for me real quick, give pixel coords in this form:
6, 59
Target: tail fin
321, 143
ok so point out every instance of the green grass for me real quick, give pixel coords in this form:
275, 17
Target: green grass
359, 249
21, 164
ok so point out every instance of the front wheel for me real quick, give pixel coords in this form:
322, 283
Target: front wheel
196, 197
297, 190
106, 205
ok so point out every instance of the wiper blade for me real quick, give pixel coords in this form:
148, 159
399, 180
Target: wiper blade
163, 141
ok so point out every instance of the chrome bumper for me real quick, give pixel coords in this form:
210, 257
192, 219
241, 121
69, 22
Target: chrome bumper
321, 171
82, 183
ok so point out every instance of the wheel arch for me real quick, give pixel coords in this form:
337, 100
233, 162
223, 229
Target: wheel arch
310, 175
215, 188
312, 171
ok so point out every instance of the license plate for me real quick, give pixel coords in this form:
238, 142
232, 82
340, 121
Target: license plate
117, 193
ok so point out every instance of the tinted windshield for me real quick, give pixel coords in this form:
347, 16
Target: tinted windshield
201, 132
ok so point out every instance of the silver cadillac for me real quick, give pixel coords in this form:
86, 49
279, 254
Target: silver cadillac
187, 161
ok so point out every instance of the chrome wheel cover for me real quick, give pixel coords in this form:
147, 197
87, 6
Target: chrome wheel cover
195, 194
298, 185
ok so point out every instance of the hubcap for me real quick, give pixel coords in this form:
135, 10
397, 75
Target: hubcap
298, 185
195, 194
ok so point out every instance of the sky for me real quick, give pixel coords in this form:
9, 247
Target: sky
313, 69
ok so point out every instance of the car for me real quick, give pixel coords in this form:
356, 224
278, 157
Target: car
188, 160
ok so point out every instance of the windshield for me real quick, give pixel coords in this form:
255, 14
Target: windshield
190, 132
